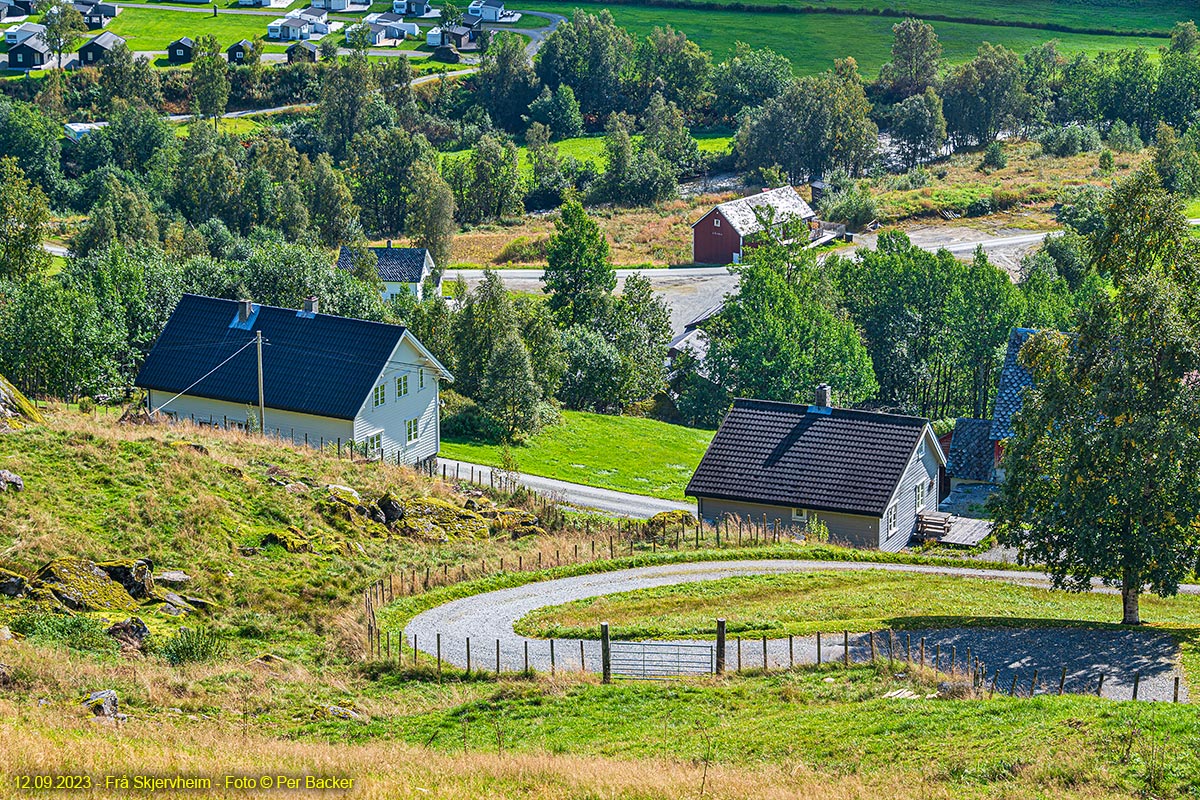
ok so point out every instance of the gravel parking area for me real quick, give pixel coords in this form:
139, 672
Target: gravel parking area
487, 621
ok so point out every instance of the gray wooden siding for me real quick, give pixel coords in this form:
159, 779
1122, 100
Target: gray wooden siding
389, 419
848, 529
920, 470
286, 425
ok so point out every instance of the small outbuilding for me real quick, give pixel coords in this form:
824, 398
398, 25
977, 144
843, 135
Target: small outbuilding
720, 236
31, 53
402, 270
96, 49
867, 476
305, 51
239, 52
181, 50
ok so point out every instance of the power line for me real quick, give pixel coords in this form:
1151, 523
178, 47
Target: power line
205, 375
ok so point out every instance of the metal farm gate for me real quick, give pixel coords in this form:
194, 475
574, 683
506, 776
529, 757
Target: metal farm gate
660, 660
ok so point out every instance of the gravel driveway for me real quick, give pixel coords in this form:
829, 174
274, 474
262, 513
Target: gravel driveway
488, 619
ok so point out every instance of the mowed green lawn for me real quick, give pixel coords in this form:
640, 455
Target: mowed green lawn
813, 41
628, 454
805, 603
1119, 15
591, 148
147, 29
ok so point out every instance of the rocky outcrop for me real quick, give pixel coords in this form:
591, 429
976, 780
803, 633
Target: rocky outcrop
11, 481
437, 519
291, 539
173, 577
135, 575
670, 520
103, 704
131, 634
516, 522
391, 508
80, 585
15, 409
11, 584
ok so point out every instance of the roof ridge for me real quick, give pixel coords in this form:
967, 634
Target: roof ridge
750, 402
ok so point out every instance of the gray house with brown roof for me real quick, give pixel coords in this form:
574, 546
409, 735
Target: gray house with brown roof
864, 474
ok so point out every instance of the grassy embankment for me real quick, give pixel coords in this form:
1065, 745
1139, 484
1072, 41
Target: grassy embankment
629, 454
95, 490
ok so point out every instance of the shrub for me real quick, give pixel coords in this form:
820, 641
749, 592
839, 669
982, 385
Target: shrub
980, 207
78, 633
523, 250
1070, 140
1124, 138
916, 178
462, 418
994, 157
853, 206
193, 646
86, 405
1106, 160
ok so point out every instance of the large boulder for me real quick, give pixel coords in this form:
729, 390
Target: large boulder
173, 577
136, 575
103, 704
291, 539
11, 584
391, 508
131, 634
670, 521
80, 585
517, 522
15, 409
11, 480
434, 518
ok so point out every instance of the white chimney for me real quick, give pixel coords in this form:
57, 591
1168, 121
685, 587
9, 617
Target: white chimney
310, 304
824, 398
245, 309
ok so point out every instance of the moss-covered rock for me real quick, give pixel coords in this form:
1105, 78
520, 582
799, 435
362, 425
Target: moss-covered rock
136, 575
670, 520
347, 519
516, 522
193, 446
80, 585
11, 584
291, 539
434, 518
15, 409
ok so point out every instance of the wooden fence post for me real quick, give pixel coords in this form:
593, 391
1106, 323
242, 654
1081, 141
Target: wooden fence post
818, 648
846, 648
552, 658
764, 640
439, 657
1062, 681
720, 647
605, 654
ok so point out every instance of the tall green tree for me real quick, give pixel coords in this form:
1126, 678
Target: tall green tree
670, 64
506, 82
64, 26
382, 178
916, 55
343, 106
748, 79
24, 223
1102, 476
579, 275
430, 222
485, 320
210, 79
640, 329
919, 127
984, 96
593, 56
510, 393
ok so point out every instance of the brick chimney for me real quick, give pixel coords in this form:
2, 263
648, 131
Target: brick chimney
824, 397
245, 309
310, 304
389, 244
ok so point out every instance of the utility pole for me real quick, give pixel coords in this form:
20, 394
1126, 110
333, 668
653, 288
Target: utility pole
262, 420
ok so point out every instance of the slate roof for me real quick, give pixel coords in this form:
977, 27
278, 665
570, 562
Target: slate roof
394, 264
33, 43
788, 204
107, 40
304, 45
292, 22
312, 363
241, 44
972, 454
186, 41
1014, 380
472, 21
784, 454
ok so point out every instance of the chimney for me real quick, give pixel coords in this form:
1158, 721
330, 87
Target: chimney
310, 304
389, 244
824, 397
245, 309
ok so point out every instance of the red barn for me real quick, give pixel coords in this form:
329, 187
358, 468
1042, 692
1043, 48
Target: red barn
720, 235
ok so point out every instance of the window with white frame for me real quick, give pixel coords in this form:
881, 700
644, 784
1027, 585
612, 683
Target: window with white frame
921, 448
920, 492
374, 442
379, 395
716, 222
890, 520
800, 515
401, 386
411, 430
421, 378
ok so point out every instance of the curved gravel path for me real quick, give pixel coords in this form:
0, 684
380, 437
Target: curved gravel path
488, 619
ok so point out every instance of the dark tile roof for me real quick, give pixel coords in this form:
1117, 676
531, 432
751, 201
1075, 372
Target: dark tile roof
312, 363
107, 40
784, 454
395, 264
1014, 380
186, 41
971, 453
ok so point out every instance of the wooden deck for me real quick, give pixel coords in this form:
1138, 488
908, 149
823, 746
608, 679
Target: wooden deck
951, 529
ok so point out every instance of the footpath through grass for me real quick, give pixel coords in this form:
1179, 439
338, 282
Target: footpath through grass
628, 454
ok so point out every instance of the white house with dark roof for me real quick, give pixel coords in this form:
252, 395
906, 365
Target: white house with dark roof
289, 29
867, 476
19, 33
719, 237
402, 270
488, 10
326, 380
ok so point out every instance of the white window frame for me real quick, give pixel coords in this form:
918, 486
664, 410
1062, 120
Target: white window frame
716, 222
412, 430
891, 519
379, 395
421, 378
401, 385
374, 442
800, 515
919, 490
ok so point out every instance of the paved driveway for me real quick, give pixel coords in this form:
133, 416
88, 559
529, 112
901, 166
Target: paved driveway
488, 619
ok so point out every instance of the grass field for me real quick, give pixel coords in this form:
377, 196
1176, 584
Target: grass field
591, 148
629, 454
155, 28
778, 605
813, 41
